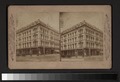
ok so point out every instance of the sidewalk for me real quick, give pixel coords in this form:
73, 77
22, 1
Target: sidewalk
39, 58
73, 59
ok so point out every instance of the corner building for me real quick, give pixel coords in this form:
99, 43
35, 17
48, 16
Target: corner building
37, 38
82, 39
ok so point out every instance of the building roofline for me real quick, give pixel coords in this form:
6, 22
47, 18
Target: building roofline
80, 25
36, 23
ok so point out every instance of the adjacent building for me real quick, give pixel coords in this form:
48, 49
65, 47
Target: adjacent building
37, 38
82, 39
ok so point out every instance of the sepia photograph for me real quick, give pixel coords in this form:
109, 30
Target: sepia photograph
59, 37
39, 40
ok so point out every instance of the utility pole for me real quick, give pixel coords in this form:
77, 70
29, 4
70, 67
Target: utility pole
60, 26
60, 42
44, 42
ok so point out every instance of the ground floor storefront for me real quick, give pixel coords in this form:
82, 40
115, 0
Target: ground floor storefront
37, 51
81, 52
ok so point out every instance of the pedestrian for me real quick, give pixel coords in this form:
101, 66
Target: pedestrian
30, 53
76, 54
39, 52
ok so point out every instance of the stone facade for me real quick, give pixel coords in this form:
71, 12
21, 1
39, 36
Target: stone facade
37, 38
82, 39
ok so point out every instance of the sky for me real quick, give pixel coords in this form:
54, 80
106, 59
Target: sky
71, 19
26, 18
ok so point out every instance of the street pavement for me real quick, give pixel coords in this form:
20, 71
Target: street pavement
73, 59
35, 58
56, 58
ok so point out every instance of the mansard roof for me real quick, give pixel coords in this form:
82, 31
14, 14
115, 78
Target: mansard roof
34, 24
83, 23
